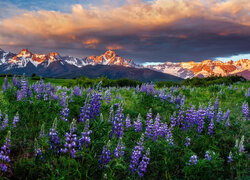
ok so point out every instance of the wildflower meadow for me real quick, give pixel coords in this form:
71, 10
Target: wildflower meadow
50, 131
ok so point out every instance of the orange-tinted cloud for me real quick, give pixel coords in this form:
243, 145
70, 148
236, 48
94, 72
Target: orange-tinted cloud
134, 14
114, 47
135, 24
91, 43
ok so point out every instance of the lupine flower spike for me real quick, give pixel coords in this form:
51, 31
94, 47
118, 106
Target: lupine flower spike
105, 156
5, 154
71, 140
119, 150
136, 154
187, 141
37, 149
193, 160
144, 163
54, 139
128, 122
85, 139
138, 124
15, 120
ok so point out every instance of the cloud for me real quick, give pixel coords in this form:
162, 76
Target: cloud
114, 47
91, 43
149, 31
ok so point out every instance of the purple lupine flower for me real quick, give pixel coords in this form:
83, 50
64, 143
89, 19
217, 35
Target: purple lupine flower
119, 150
37, 149
156, 128
18, 95
14, 81
85, 112
172, 100
70, 140
128, 122
178, 99
24, 87
5, 84
193, 160
45, 96
208, 156
190, 119
117, 128
54, 139
245, 110
30, 94
211, 127
77, 91
105, 156
230, 157
183, 101
226, 115
5, 122
180, 117
5, 154
63, 99
241, 145
187, 141
64, 113
95, 105
227, 123
216, 103
70, 144
168, 135
210, 112
15, 120
201, 113
149, 116
136, 154
173, 120
247, 93
138, 88
144, 163
111, 114
138, 124
219, 115
149, 128
107, 96
85, 139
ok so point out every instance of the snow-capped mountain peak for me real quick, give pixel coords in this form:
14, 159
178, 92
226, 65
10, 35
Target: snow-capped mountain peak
10, 61
205, 68
25, 53
111, 58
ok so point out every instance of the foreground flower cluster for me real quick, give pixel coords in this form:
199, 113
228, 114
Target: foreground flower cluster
100, 129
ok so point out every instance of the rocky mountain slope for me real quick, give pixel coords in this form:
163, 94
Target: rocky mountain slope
205, 68
28, 62
54, 65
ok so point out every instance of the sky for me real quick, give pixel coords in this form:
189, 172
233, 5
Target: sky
143, 30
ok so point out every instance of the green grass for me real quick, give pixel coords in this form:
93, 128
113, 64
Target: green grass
166, 161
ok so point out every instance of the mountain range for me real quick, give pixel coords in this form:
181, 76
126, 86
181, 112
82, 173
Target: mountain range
205, 68
113, 66
54, 65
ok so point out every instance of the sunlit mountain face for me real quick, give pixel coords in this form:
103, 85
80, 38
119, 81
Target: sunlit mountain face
25, 58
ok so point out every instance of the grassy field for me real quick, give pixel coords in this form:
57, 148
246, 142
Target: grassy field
86, 133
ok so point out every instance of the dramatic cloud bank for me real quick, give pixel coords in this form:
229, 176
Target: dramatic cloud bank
160, 30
